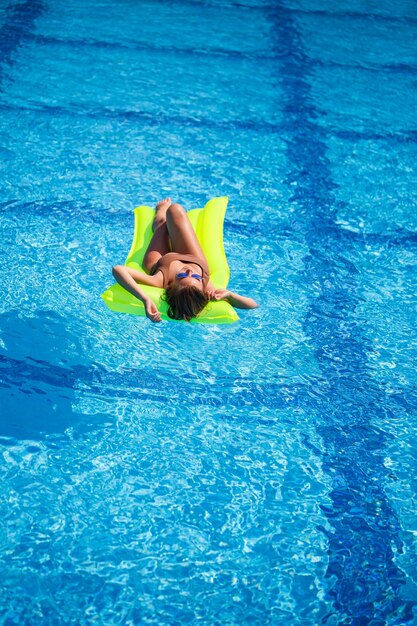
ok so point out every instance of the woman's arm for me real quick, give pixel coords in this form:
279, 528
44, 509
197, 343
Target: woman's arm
235, 299
127, 277
138, 277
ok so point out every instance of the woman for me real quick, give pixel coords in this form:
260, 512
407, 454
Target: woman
175, 262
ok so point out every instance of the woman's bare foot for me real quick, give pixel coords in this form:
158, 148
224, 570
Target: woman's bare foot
161, 211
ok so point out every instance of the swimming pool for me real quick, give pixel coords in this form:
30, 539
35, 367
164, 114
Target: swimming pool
258, 473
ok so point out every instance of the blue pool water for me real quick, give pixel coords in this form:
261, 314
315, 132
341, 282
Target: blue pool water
260, 473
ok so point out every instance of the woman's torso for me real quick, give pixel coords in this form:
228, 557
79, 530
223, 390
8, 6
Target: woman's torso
173, 262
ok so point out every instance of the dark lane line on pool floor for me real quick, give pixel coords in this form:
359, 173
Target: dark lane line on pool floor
69, 210
205, 53
361, 556
184, 122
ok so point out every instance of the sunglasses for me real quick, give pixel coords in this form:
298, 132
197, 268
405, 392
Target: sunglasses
186, 275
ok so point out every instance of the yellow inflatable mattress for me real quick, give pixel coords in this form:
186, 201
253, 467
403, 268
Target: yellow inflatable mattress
208, 225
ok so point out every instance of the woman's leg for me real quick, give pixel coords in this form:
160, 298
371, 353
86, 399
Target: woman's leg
181, 233
159, 244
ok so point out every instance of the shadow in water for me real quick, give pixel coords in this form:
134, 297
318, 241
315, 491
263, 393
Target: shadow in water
39, 373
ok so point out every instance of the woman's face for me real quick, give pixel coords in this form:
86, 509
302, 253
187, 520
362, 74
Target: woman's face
189, 277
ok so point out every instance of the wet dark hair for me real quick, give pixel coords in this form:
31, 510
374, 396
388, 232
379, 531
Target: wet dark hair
184, 302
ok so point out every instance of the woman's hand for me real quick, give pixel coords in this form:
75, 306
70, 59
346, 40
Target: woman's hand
221, 294
236, 300
210, 291
151, 311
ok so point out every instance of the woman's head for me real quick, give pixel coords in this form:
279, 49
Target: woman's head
185, 301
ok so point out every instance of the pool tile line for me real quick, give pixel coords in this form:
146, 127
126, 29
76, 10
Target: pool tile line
367, 581
283, 229
284, 129
216, 53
